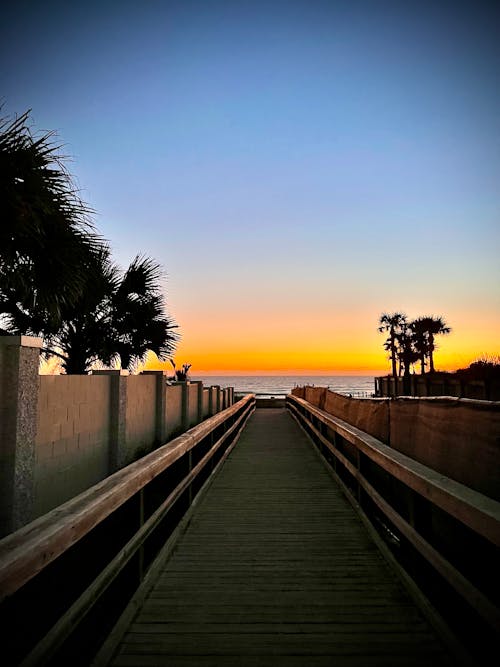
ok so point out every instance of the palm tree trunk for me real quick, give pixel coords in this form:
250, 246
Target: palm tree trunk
393, 355
431, 352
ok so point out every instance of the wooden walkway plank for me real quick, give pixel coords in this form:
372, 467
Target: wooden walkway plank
276, 568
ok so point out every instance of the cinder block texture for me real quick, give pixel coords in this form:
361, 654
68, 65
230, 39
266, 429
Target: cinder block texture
140, 414
206, 403
19, 359
174, 409
72, 440
60, 434
193, 389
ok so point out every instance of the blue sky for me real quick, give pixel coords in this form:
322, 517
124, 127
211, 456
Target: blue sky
285, 161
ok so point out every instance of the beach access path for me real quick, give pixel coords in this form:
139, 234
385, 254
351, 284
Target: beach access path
276, 568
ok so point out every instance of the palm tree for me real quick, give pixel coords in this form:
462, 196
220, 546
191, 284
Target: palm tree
117, 320
428, 327
419, 335
407, 354
47, 239
138, 318
181, 375
393, 323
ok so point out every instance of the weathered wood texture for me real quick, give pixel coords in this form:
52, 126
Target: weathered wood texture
277, 569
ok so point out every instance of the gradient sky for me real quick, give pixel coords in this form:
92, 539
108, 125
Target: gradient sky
297, 167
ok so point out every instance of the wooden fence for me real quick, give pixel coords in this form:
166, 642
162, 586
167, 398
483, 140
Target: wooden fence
446, 535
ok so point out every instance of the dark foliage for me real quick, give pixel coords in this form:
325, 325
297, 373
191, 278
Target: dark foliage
47, 241
481, 369
410, 342
117, 320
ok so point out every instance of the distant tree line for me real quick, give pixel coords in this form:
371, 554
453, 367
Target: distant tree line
411, 341
57, 277
486, 367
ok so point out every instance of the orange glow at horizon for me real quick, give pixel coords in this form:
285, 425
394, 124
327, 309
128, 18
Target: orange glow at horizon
312, 346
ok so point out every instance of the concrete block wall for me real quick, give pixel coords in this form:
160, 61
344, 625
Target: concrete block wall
225, 397
215, 399
205, 403
72, 436
193, 405
173, 405
212, 400
61, 434
140, 414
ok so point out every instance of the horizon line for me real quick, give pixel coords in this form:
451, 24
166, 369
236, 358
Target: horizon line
257, 373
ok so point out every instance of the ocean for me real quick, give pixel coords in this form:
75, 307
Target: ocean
279, 385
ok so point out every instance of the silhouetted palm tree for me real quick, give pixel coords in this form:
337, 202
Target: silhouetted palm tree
118, 319
393, 323
47, 240
181, 375
138, 318
407, 354
419, 336
428, 327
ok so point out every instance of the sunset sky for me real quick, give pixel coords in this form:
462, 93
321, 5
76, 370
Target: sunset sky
297, 167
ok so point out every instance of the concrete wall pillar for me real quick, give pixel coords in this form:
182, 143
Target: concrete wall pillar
211, 402
117, 418
161, 405
185, 405
19, 389
199, 399
217, 402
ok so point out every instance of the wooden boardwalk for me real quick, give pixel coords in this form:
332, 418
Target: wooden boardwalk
276, 568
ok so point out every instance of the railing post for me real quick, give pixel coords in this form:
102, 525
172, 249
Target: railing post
19, 390
141, 523
359, 488
190, 467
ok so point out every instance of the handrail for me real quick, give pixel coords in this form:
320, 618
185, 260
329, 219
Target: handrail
25, 553
476, 512
32, 547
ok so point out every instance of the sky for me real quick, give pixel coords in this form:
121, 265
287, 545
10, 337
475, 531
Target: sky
297, 168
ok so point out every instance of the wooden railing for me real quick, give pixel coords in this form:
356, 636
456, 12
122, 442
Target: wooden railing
66, 577
445, 535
